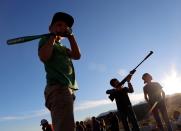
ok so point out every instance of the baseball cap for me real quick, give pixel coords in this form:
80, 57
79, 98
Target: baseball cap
43, 121
62, 16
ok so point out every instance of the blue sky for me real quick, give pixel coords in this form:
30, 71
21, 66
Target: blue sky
114, 36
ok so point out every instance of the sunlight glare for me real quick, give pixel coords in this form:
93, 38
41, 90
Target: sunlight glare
171, 82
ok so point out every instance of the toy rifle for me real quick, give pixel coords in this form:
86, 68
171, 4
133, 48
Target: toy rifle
134, 70
23, 39
125, 79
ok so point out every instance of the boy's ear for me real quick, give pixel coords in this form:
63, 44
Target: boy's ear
50, 28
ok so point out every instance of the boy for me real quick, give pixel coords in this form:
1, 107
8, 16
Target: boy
153, 93
120, 94
60, 74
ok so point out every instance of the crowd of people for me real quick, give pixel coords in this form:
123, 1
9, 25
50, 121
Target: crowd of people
95, 124
111, 122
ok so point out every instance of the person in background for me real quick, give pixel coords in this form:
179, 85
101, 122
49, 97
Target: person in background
114, 121
46, 126
120, 94
88, 127
83, 125
102, 125
177, 120
95, 124
79, 127
155, 96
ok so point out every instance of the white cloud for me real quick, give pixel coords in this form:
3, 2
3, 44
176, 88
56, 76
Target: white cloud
92, 104
97, 67
136, 98
39, 113
122, 72
85, 105
33, 114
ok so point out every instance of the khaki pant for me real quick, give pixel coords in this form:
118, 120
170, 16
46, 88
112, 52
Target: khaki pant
59, 100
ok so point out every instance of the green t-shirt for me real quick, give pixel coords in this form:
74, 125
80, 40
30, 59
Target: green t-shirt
59, 67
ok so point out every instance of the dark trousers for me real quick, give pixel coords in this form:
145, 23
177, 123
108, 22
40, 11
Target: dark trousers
162, 109
128, 114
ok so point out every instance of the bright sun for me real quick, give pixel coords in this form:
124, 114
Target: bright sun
171, 82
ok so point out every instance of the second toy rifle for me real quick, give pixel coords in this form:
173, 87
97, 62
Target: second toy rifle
134, 70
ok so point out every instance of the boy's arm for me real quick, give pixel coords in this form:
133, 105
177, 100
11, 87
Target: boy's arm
111, 94
130, 87
163, 94
111, 97
46, 50
111, 91
74, 52
145, 95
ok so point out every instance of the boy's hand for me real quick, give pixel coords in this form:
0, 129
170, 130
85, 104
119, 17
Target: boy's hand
68, 32
63, 31
132, 72
128, 78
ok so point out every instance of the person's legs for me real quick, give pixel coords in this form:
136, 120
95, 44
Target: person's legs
163, 110
124, 120
60, 102
132, 118
157, 118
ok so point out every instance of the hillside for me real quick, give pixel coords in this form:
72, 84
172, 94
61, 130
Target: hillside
173, 103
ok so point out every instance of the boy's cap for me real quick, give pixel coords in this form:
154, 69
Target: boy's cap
61, 16
43, 121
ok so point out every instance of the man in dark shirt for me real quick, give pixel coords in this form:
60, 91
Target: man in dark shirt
120, 94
